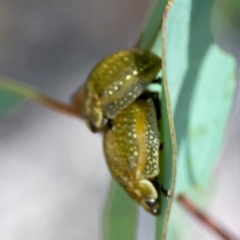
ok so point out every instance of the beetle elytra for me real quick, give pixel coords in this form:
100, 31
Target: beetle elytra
131, 146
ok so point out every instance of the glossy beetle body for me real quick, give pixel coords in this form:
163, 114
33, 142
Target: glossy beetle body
131, 147
109, 102
115, 83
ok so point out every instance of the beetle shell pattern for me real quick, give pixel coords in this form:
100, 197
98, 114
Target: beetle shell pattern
131, 147
115, 83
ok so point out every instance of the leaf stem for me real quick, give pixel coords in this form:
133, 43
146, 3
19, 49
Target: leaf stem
32, 94
206, 220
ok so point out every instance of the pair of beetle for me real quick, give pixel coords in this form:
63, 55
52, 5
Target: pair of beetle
114, 101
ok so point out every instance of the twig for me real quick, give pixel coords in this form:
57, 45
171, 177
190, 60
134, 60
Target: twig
206, 220
30, 93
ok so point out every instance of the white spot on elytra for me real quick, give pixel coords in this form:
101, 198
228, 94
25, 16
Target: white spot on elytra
138, 193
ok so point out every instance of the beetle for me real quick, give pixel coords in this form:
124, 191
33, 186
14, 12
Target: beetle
131, 145
114, 83
110, 101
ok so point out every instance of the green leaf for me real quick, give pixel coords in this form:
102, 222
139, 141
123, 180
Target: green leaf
12, 93
153, 26
167, 160
167, 176
169, 154
120, 216
202, 80
8, 99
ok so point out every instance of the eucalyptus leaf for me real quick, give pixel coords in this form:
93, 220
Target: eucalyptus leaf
202, 80
168, 157
12, 93
9, 100
152, 30
150, 38
120, 217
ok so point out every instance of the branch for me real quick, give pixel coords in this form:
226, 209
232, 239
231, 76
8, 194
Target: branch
206, 220
29, 93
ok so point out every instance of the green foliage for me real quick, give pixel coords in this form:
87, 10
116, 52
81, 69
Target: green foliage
201, 81
153, 26
120, 215
8, 99
167, 156
12, 93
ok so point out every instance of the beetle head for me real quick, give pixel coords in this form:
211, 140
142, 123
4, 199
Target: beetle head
115, 82
89, 106
144, 192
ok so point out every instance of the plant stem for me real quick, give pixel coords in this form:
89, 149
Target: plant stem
203, 218
32, 94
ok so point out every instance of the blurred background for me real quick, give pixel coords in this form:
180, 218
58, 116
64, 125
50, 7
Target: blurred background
53, 176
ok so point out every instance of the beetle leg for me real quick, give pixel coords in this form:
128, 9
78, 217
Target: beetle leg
157, 80
110, 124
159, 186
166, 193
147, 94
161, 146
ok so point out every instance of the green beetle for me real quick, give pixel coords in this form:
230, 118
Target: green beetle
131, 145
114, 83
